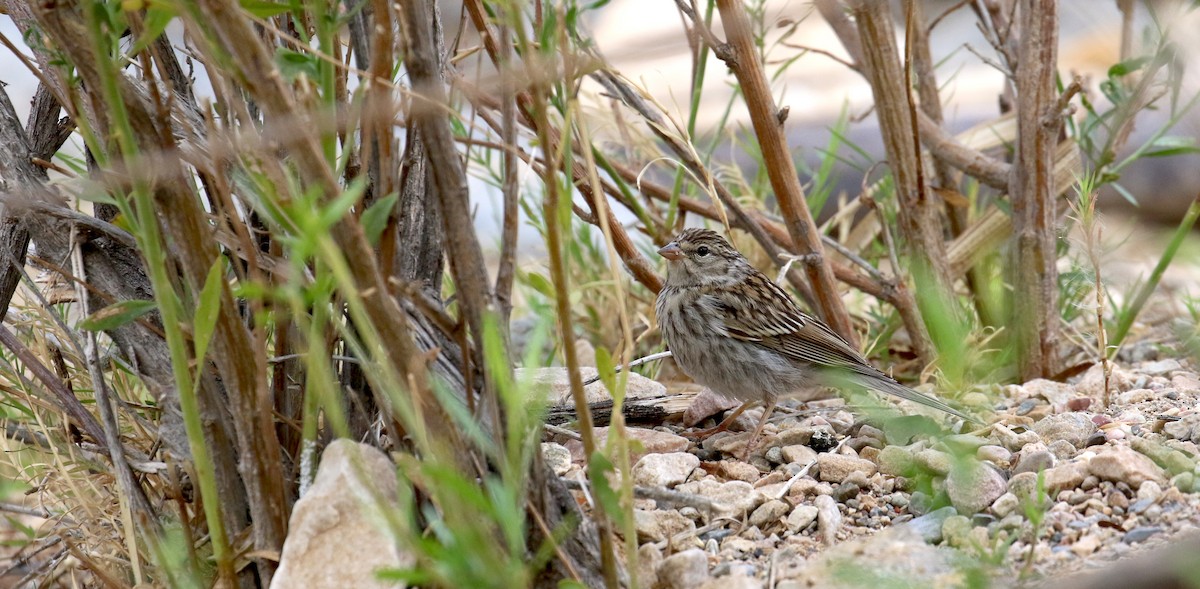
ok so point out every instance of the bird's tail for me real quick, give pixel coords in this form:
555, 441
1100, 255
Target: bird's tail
883, 384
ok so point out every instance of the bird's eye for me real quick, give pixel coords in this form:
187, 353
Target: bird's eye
702, 251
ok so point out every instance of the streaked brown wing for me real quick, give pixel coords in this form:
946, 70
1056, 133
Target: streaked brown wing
764, 313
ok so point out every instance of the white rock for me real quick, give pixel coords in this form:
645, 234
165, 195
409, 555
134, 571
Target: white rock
664, 470
554, 385
801, 517
336, 536
836, 467
1124, 464
557, 457
829, 519
733, 498
685, 570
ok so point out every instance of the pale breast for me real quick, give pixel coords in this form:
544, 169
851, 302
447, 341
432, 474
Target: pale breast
695, 334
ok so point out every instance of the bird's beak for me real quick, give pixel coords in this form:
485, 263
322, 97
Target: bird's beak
671, 251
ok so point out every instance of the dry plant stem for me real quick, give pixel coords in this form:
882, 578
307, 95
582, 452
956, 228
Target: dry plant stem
1031, 186
941, 144
463, 251
532, 108
139, 505
741, 55
562, 301
741, 217
16, 173
508, 135
633, 259
242, 368
920, 59
919, 213
63, 399
256, 71
1091, 237
427, 109
639, 266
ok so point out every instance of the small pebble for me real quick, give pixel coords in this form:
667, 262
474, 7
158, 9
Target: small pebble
829, 519
1140, 534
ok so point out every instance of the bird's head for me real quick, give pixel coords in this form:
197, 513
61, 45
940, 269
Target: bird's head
700, 257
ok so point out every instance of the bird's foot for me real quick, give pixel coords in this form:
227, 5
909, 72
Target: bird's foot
720, 427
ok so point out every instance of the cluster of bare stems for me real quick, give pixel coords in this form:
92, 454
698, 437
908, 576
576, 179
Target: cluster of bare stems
148, 133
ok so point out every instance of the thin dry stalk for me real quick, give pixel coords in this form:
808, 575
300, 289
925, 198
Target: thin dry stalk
918, 211
741, 55
1034, 273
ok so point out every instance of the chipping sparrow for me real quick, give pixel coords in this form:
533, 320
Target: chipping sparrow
735, 331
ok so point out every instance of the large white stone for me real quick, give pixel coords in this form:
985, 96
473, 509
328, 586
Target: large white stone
335, 536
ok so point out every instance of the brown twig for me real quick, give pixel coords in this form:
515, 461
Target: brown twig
1034, 274
747, 67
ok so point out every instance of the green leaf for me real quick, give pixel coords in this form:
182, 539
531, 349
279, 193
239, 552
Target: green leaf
901, 430
293, 64
207, 309
263, 9
158, 16
1127, 67
340, 206
609, 499
541, 284
374, 219
1172, 145
606, 371
116, 315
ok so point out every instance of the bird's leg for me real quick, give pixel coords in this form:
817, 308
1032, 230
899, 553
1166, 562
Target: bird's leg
770, 407
720, 427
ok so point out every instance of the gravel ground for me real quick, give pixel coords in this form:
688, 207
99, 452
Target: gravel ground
1057, 482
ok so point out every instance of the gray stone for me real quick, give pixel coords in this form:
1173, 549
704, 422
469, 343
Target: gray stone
733, 498
737, 580
1066, 476
973, 487
1056, 393
735, 470
656, 525
955, 530
1186, 429
1005, 504
934, 461
896, 461
649, 559
1064, 450
768, 513
557, 457
684, 570
1140, 534
798, 453
998, 455
929, 526
1034, 461
1072, 427
555, 385
801, 517
651, 442
705, 405
1161, 367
